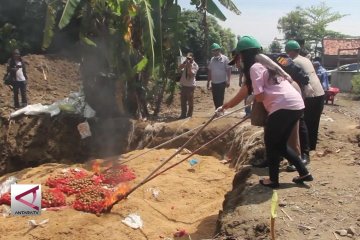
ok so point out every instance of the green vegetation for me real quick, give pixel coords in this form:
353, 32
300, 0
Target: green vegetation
132, 45
356, 84
310, 24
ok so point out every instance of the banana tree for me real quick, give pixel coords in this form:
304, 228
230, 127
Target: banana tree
122, 38
209, 6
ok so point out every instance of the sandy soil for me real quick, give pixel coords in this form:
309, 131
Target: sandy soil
189, 199
317, 210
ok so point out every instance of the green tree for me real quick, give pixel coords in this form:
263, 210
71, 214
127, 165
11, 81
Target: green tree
21, 24
192, 39
294, 24
319, 17
310, 23
275, 47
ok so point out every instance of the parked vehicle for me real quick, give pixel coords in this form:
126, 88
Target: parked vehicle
202, 73
352, 67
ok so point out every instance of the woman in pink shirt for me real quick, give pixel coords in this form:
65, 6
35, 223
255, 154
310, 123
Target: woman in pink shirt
282, 102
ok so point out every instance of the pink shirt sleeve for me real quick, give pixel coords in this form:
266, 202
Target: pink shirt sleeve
258, 75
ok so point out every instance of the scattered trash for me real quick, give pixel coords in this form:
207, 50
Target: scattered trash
6, 186
154, 192
133, 220
225, 161
36, 109
34, 224
75, 103
193, 162
180, 233
84, 130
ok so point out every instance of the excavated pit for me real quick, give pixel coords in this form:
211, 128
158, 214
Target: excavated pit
32, 141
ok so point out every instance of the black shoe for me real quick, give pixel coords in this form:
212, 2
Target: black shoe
290, 168
306, 158
270, 185
181, 117
300, 180
262, 164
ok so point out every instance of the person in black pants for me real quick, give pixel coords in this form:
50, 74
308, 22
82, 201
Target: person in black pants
313, 109
17, 70
283, 104
313, 94
219, 73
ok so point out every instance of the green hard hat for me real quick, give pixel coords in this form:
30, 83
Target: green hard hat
215, 46
247, 42
292, 45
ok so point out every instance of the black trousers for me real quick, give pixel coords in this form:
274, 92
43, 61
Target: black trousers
277, 131
218, 92
304, 136
19, 86
313, 110
187, 98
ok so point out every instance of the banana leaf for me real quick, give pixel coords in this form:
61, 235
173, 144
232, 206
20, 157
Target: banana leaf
49, 27
214, 10
68, 12
230, 5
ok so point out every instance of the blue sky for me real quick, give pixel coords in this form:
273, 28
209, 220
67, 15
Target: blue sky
259, 17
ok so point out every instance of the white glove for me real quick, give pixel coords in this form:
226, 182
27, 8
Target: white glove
219, 111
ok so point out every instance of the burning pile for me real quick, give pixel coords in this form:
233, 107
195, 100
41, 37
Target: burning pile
53, 198
93, 191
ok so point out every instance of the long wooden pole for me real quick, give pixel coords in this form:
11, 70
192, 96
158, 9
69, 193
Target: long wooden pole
179, 136
154, 174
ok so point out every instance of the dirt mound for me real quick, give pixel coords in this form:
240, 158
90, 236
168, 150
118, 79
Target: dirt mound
51, 78
314, 211
189, 199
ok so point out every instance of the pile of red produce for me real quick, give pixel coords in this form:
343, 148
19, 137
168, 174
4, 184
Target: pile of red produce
5, 199
93, 191
91, 200
118, 174
53, 197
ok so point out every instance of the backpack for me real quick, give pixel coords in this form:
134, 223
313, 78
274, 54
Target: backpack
291, 68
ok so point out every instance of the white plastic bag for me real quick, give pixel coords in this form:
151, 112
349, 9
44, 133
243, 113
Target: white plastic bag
88, 111
6, 186
36, 109
134, 221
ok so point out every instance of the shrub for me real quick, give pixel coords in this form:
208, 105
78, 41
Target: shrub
356, 84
